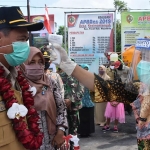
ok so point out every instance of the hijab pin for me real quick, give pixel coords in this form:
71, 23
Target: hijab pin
43, 90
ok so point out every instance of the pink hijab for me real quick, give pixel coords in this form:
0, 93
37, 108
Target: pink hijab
104, 76
44, 102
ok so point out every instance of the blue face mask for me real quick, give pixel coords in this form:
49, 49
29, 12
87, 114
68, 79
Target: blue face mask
19, 55
143, 71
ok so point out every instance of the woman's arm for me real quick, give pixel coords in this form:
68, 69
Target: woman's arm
61, 85
57, 77
88, 80
60, 105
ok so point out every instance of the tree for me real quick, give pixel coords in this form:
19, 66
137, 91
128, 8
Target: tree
118, 37
61, 31
120, 5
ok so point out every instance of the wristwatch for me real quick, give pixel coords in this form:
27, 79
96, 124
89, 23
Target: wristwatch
62, 128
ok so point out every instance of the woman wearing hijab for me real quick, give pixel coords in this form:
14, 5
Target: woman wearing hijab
47, 58
100, 107
48, 101
86, 113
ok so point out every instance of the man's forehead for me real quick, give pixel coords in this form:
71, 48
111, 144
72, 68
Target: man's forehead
20, 30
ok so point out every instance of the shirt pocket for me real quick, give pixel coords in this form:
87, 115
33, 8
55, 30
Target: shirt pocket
7, 134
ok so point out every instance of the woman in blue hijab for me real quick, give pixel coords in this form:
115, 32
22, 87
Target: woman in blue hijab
86, 113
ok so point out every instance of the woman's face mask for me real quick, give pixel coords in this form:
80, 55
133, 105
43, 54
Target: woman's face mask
101, 72
19, 55
34, 71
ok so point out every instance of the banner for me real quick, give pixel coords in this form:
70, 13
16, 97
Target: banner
134, 25
89, 37
40, 18
40, 41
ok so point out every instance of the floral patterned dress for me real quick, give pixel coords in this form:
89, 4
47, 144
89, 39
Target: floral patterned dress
143, 134
61, 119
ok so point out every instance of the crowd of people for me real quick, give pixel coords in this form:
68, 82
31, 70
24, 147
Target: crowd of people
39, 107
82, 112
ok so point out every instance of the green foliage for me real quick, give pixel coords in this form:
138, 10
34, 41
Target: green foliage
61, 31
120, 5
118, 36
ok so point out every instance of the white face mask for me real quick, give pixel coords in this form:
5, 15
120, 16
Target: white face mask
112, 67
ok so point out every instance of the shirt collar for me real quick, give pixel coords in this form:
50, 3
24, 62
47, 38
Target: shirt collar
11, 71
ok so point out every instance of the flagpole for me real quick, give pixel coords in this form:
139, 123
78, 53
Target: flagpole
47, 21
28, 11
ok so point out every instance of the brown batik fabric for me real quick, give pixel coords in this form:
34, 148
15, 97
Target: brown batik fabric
112, 90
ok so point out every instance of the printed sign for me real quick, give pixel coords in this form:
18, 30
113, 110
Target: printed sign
89, 37
134, 25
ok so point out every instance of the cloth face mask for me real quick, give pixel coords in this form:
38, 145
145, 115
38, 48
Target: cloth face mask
101, 72
34, 72
19, 55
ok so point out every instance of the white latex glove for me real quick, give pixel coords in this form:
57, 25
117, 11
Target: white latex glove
65, 62
53, 55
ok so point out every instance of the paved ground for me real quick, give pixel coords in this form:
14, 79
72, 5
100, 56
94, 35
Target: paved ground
125, 139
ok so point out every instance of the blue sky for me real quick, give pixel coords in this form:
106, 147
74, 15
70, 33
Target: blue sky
59, 13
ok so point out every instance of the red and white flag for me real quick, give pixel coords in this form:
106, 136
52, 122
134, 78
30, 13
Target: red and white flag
46, 21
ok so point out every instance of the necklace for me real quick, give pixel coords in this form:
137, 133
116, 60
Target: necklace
26, 128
